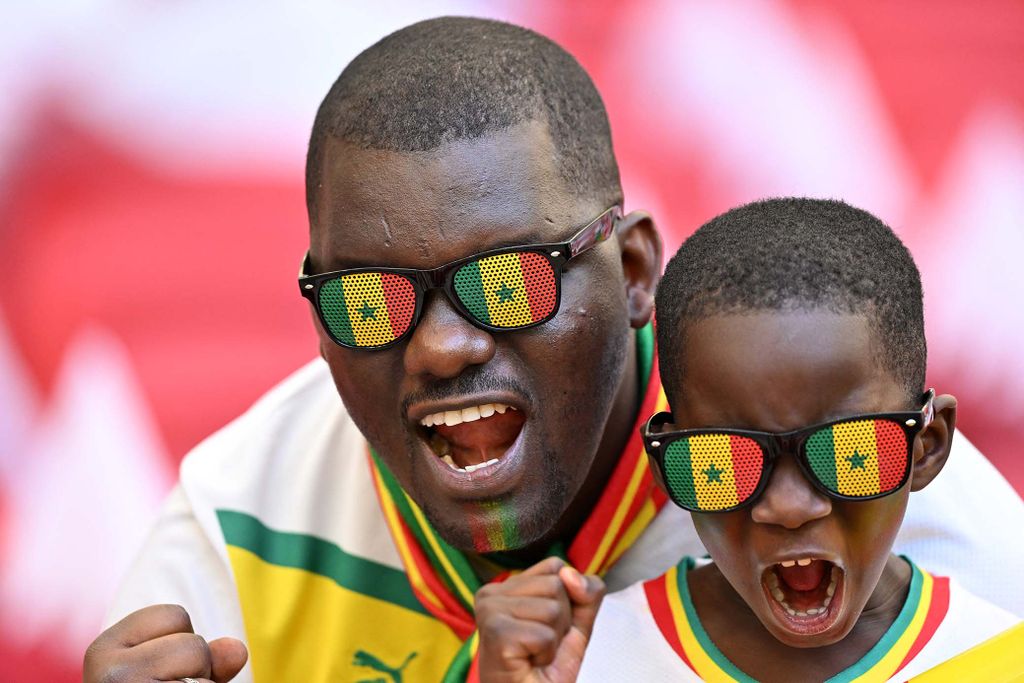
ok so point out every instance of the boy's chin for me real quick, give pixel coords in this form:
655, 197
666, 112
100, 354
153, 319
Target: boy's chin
812, 617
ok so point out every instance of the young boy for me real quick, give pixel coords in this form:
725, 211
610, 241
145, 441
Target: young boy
792, 351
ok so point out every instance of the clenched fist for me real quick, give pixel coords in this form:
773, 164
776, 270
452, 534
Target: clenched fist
157, 643
534, 627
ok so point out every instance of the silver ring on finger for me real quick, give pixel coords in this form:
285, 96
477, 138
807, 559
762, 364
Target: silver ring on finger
189, 680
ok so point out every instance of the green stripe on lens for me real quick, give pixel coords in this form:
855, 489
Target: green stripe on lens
470, 289
335, 311
679, 473
821, 455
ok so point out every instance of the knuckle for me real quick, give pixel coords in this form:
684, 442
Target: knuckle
199, 648
178, 616
117, 673
551, 586
551, 611
496, 627
485, 591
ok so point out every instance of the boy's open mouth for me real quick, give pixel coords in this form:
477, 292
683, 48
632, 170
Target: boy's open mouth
472, 438
805, 594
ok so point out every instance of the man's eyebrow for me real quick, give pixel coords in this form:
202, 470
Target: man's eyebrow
340, 262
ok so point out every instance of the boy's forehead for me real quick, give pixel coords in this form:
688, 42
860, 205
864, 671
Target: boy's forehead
780, 370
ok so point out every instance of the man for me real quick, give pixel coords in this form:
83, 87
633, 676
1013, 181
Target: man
483, 306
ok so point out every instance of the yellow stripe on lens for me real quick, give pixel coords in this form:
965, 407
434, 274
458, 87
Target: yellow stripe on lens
856, 454
713, 479
502, 280
367, 309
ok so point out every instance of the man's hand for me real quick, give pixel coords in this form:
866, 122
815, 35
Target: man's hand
157, 644
534, 628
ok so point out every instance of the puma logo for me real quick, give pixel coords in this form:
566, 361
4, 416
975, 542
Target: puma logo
363, 658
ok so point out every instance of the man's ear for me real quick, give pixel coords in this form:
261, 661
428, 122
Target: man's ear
656, 474
641, 264
931, 449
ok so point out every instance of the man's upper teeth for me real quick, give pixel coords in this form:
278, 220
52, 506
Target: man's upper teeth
803, 562
455, 417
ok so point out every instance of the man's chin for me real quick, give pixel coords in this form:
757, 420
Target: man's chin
508, 524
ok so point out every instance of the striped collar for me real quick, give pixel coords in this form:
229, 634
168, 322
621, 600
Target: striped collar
925, 607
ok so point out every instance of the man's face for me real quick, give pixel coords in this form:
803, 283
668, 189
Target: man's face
779, 372
536, 400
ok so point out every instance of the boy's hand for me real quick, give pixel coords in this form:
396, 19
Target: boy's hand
534, 628
157, 643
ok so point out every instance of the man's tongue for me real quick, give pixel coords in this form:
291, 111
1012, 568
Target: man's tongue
803, 578
481, 440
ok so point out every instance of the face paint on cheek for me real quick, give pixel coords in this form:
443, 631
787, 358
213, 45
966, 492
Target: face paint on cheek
493, 527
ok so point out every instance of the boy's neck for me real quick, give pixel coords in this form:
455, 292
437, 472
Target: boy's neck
744, 641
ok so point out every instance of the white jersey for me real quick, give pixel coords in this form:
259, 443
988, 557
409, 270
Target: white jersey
651, 632
295, 467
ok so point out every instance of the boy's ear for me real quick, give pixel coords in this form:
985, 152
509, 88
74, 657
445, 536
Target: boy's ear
931, 449
641, 264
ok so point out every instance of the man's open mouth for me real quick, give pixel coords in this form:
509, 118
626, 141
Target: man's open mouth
806, 594
472, 438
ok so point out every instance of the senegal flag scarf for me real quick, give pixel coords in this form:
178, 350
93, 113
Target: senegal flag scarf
441, 577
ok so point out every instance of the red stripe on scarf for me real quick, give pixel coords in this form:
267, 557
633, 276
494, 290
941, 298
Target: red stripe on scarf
589, 537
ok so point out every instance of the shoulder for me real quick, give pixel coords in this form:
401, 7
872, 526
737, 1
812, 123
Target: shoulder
294, 462
627, 644
962, 525
967, 621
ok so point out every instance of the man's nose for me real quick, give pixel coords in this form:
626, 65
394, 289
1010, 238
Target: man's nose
789, 500
443, 344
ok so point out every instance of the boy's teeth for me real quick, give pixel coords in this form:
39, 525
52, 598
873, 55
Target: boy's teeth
803, 562
470, 414
780, 597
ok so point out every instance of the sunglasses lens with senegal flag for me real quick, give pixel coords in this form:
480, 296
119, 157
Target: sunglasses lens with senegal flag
508, 290
709, 471
504, 291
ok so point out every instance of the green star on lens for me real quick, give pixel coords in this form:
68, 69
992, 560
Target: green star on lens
505, 293
856, 461
368, 311
713, 474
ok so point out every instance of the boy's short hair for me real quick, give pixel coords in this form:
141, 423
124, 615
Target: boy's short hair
790, 254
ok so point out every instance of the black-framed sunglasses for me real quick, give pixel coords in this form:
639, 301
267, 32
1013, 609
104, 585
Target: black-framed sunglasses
511, 288
861, 457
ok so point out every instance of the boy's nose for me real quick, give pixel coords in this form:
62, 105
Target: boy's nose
789, 500
443, 344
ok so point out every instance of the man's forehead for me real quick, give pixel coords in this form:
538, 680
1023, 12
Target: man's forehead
416, 207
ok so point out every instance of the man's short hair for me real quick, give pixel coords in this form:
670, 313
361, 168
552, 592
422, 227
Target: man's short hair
796, 254
455, 78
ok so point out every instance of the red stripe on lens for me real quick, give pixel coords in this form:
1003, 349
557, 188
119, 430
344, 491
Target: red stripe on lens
539, 278
891, 443
747, 463
400, 296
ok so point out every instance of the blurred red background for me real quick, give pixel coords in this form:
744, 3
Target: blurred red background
152, 219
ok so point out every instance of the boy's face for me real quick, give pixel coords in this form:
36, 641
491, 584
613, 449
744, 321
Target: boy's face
777, 372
